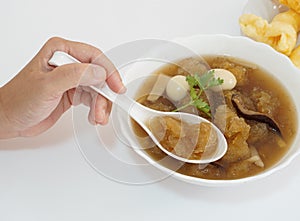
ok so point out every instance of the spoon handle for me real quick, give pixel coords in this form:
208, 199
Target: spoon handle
60, 58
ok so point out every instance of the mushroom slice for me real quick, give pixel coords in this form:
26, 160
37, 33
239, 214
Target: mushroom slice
255, 158
253, 115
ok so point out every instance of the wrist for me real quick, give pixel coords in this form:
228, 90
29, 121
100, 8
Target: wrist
5, 127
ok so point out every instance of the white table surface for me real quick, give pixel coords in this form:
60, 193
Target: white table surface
47, 178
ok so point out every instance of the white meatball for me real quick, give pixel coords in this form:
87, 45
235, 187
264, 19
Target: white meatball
229, 79
177, 88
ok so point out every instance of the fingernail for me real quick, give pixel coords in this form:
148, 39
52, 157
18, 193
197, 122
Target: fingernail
102, 116
122, 90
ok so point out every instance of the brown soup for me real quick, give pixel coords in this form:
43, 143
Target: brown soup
253, 145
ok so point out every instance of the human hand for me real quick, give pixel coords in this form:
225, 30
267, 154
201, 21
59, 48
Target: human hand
39, 94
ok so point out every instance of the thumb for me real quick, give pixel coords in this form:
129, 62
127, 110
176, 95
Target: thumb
70, 76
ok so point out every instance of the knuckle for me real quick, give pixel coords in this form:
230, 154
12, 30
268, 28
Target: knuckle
55, 40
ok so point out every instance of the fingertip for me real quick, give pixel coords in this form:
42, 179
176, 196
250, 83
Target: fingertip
122, 90
91, 118
114, 81
99, 109
103, 122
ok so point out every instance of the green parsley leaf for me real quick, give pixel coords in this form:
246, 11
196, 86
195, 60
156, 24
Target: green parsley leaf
215, 82
205, 79
198, 84
191, 81
193, 93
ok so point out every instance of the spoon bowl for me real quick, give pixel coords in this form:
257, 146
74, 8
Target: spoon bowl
142, 115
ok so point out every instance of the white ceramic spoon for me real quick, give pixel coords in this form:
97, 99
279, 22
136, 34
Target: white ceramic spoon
142, 114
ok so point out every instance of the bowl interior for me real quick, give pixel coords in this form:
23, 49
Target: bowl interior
240, 47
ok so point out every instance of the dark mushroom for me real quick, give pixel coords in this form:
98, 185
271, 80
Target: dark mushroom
253, 115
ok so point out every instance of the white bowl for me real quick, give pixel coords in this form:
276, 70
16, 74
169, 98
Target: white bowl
240, 47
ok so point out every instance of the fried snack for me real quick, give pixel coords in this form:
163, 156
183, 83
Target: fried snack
279, 34
295, 56
293, 4
254, 27
290, 17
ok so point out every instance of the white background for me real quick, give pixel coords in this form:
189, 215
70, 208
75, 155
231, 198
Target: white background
47, 178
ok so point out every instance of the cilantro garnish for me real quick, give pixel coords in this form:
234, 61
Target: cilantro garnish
198, 84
